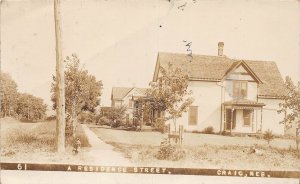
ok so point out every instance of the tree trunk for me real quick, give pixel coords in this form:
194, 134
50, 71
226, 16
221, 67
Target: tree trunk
60, 88
74, 119
174, 122
74, 125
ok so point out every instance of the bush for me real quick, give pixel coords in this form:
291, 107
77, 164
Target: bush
159, 125
208, 130
168, 151
87, 117
268, 136
117, 123
51, 118
103, 121
196, 132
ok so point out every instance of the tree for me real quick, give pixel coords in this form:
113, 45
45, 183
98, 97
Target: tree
21, 105
291, 106
30, 107
82, 91
171, 93
116, 115
8, 92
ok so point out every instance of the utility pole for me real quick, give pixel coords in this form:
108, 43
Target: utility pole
60, 83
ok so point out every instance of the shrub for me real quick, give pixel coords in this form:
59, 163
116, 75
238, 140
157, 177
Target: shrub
159, 125
208, 130
51, 118
117, 123
268, 136
167, 151
196, 131
87, 117
225, 133
103, 121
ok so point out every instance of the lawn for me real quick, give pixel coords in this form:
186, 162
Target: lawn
204, 150
35, 143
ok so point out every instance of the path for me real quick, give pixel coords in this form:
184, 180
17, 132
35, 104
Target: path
102, 153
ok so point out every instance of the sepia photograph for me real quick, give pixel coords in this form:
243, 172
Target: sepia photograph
196, 90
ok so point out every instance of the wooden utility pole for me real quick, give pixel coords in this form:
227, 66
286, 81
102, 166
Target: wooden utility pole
60, 83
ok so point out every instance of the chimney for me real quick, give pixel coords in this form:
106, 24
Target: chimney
220, 48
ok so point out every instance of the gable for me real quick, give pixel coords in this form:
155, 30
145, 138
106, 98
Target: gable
241, 71
119, 93
136, 92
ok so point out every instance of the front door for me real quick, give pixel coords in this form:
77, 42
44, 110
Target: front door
230, 117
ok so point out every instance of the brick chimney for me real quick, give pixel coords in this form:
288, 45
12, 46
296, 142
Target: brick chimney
220, 48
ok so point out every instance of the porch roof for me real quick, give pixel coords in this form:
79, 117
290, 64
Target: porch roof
243, 104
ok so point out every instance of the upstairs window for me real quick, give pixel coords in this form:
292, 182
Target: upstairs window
130, 103
240, 89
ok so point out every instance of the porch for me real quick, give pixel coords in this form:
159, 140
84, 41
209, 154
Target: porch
242, 117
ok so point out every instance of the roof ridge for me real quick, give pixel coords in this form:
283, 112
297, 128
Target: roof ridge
216, 56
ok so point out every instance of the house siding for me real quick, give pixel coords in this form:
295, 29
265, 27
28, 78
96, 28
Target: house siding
207, 97
270, 117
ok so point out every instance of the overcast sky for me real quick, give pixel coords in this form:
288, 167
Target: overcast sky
118, 40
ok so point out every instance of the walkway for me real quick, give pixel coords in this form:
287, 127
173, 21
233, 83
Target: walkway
102, 153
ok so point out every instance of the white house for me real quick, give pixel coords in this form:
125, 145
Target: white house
238, 96
124, 96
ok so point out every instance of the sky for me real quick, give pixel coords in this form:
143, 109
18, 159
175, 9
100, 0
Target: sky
118, 40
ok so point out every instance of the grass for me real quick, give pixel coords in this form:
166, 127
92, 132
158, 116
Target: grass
36, 142
203, 150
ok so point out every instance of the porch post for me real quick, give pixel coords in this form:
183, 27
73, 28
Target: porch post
142, 121
261, 119
225, 117
231, 121
256, 119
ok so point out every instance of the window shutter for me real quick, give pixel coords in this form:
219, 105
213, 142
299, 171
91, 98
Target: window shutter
193, 115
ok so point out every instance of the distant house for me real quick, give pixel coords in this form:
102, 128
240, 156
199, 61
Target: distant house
105, 110
238, 96
124, 96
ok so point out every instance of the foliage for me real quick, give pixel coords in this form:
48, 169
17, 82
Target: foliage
159, 125
268, 136
103, 121
87, 116
82, 91
168, 151
30, 108
171, 93
116, 115
291, 105
22, 105
8, 92
28, 139
208, 130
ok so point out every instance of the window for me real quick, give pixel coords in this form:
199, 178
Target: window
130, 103
193, 115
127, 118
247, 117
240, 89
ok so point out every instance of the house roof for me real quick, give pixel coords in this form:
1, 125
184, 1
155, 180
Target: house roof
214, 68
243, 102
118, 93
